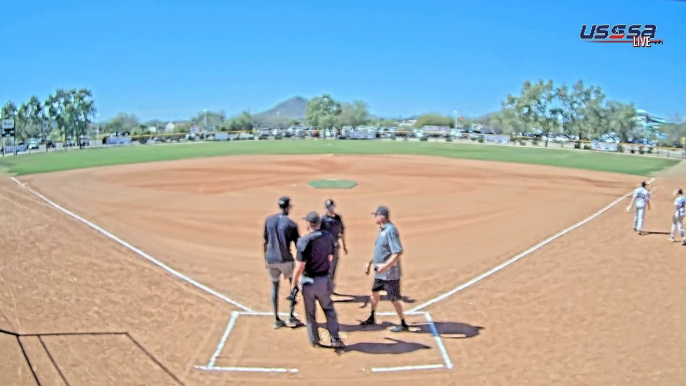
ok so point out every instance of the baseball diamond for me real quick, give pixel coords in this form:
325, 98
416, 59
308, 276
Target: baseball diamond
163, 264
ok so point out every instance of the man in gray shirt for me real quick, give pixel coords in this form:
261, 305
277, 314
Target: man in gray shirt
279, 233
386, 262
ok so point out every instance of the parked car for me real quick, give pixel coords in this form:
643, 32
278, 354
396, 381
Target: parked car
33, 144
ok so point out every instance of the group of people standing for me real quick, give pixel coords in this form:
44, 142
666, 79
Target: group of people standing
312, 270
640, 201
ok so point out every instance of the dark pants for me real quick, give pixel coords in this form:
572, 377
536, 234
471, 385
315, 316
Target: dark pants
334, 264
320, 291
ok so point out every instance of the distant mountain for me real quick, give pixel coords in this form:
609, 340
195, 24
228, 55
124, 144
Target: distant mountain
292, 108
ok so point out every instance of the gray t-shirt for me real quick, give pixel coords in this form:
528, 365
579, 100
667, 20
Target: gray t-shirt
387, 243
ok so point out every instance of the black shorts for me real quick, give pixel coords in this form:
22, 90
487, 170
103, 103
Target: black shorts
392, 288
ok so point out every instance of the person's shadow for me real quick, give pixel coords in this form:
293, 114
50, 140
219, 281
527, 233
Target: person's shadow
393, 346
447, 330
648, 233
365, 299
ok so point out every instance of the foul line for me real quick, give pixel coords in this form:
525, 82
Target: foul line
134, 249
519, 256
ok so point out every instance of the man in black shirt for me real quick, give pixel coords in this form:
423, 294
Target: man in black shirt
279, 232
315, 253
333, 223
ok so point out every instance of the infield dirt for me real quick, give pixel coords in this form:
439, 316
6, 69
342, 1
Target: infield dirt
599, 306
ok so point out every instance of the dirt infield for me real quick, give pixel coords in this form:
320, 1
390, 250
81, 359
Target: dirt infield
598, 306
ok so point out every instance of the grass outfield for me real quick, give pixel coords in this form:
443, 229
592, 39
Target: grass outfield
579, 159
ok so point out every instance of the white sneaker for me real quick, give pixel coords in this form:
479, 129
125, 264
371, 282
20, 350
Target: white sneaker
671, 239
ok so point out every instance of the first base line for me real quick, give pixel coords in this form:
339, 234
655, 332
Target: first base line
513, 259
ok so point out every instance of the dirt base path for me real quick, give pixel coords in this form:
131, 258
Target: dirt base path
457, 219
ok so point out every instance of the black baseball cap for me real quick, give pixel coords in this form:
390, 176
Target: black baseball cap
284, 202
382, 210
329, 203
312, 217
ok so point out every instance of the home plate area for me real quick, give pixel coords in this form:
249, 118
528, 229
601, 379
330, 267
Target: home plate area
250, 344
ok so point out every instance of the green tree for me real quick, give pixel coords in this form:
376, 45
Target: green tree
354, 114
9, 111
323, 112
582, 110
535, 105
620, 118
242, 122
214, 118
434, 119
122, 122
507, 121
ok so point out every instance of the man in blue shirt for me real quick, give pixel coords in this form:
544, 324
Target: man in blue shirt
279, 233
386, 262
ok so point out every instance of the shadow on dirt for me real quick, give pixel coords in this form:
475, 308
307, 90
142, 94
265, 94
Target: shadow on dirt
364, 299
391, 346
448, 330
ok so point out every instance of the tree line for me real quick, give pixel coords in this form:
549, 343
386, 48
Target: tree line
65, 113
578, 110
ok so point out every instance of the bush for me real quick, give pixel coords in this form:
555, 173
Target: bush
620, 148
448, 139
651, 150
278, 136
587, 147
393, 137
424, 138
577, 145
641, 150
522, 142
534, 142
481, 139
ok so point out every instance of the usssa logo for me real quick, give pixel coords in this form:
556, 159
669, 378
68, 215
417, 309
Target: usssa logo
639, 35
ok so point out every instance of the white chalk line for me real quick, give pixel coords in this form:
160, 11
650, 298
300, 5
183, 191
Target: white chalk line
521, 255
406, 368
439, 341
249, 369
222, 342
134, 249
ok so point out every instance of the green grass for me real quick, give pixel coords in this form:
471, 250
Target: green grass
579, 159
333, 184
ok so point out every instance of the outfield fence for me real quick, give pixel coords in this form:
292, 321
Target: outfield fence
489, 139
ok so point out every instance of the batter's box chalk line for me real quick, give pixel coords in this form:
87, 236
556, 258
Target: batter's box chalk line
211, 365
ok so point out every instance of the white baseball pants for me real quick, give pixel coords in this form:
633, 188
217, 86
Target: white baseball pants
639, 214
678, 224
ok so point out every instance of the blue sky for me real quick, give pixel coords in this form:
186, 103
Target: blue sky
171, 59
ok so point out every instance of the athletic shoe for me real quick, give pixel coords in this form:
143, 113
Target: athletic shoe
671, 239
369, 322
400, 328
337, 343
279, 323
295, 322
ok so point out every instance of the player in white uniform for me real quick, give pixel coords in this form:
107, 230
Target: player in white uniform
678, 218
641, 201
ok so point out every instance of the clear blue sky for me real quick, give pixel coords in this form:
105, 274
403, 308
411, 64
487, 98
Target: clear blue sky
171, 59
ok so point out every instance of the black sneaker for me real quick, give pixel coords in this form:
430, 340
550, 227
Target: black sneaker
401, 328
295, 322
337, 344
369, 322
279, 323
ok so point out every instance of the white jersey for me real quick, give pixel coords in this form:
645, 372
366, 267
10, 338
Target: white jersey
680, 204
642, 196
